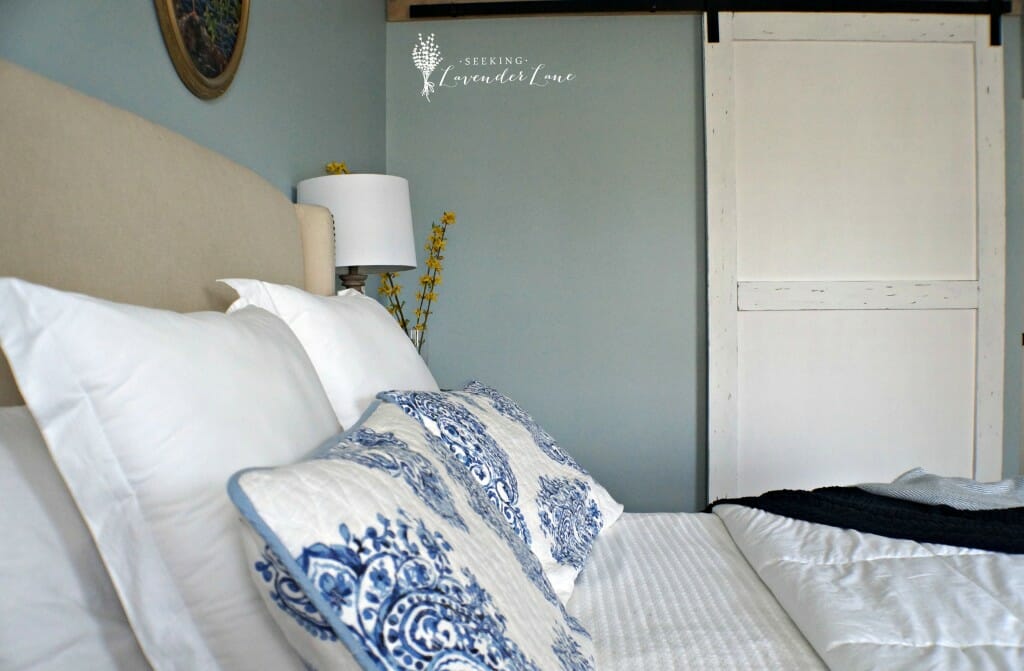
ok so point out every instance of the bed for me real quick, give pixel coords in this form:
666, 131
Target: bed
371, 520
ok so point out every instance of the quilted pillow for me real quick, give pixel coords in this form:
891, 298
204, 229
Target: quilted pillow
381, 543
549, 500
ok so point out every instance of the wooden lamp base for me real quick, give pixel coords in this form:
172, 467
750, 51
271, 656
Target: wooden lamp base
353, 279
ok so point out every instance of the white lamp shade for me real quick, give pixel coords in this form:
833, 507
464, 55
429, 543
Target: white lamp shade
372, 219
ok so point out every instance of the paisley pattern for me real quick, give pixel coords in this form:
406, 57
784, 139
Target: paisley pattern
384, 452
403, 556
528, 561
568, 652
290, 598
478, 500
555, 508
467, 439
511, 410
569, 517
395, 589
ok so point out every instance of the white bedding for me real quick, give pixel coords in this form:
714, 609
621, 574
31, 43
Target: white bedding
672, 591
741, 590
869, 602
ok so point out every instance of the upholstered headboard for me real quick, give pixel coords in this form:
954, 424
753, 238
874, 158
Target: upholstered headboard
98, 200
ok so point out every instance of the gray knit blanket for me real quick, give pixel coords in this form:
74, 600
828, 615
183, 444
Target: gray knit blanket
961, 493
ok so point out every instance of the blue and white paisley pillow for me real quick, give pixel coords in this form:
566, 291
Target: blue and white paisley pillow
371, 549
548, 500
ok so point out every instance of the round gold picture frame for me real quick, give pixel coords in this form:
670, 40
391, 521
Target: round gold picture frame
205, 39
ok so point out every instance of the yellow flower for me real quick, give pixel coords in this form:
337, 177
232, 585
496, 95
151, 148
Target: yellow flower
388, 287
335, 168
428, 282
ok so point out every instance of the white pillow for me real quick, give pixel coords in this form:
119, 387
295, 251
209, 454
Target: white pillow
146, 414
381, 545
548, 499
356, 346
58, 604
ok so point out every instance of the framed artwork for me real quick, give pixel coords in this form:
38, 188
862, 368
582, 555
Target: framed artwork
205, 39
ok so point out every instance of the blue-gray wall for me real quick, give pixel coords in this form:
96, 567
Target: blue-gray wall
574, 277
575, 274
310, 88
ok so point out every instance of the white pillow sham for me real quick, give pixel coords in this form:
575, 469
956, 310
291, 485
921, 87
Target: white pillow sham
356, 346
146, 414
58, 603
379, 547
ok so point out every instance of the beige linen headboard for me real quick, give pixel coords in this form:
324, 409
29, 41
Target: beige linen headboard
98, 200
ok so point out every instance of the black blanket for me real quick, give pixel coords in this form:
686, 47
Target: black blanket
853, 508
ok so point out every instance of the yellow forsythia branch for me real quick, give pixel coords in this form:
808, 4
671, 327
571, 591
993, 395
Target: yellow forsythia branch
428, 282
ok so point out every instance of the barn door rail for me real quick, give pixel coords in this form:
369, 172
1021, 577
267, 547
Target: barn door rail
994, 8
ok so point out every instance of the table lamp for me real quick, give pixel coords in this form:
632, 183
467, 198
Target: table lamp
372, 223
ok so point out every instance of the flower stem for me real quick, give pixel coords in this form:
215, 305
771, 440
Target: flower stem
429, 295
396, 305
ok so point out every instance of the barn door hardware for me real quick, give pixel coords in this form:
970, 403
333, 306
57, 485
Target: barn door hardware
994, 8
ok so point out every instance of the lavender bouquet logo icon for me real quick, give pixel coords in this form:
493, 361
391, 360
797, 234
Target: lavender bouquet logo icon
505, 70
426, 56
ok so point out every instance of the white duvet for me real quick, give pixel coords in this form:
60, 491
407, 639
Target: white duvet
868, 602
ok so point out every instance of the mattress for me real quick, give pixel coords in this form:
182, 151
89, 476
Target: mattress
672, 591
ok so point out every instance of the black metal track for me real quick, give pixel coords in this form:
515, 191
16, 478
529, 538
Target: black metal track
994, 8
550, 7
512, 8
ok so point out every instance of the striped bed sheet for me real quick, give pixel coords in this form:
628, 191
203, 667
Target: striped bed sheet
672, 591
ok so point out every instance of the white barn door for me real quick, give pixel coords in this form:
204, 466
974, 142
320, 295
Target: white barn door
855, 249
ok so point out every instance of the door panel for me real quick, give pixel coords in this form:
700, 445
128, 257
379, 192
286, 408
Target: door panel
817, 389
864, 139
855, 249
